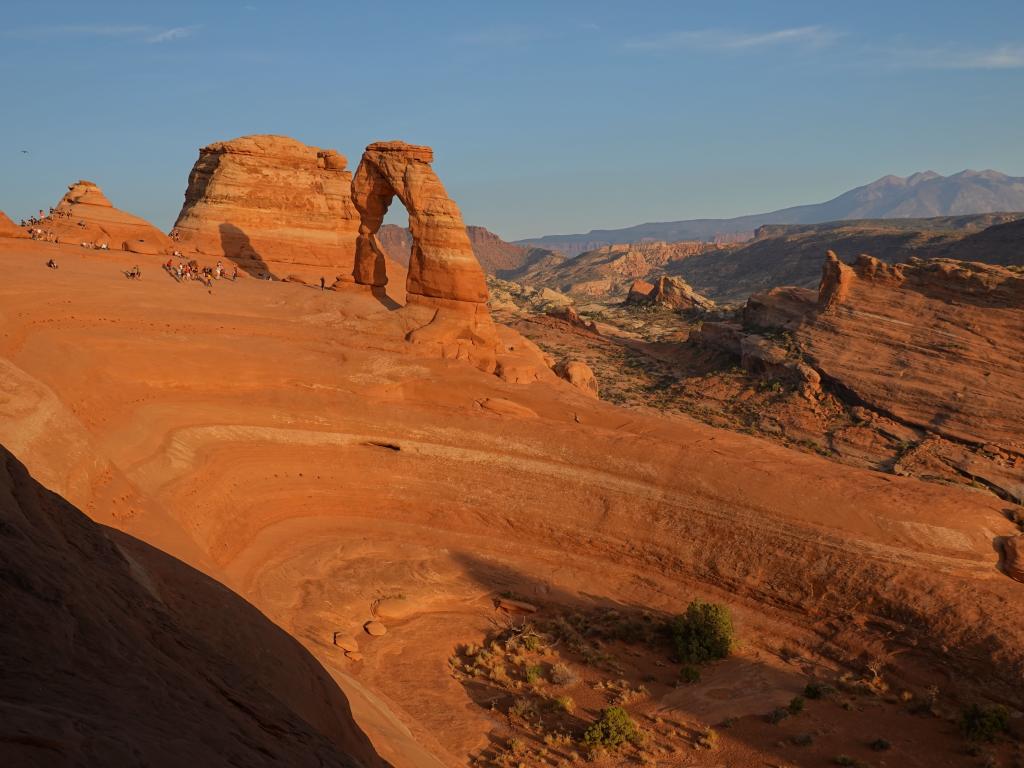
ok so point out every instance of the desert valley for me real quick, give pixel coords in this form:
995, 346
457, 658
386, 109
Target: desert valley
287, 483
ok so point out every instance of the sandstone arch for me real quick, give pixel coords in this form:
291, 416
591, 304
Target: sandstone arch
442, 264
446, 293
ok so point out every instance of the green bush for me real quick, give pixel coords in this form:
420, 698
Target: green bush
612, 730
796, 705
980, 723
689, 674
818, 690
534, 673
703, 633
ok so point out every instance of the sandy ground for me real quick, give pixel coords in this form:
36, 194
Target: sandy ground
290, 444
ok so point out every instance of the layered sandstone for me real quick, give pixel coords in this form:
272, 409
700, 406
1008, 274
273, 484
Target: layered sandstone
930, 354
123, 655
84, 216
445, 288
9, 229
272, 205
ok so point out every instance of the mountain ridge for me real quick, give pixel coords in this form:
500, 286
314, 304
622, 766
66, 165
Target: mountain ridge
920, 195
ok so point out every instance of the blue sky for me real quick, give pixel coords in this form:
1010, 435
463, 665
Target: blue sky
545, 117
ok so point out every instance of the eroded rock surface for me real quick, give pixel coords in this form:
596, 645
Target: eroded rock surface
273, 205
84, 216
123, 655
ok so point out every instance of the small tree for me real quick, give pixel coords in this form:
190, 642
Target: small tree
703, 633
980, 723
612, 730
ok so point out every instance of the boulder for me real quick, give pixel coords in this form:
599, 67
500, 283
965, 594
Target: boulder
639, 292
346, 642
1013, 554
572, 317
676, 293
579, 374
515, 606
272, 205
375, 628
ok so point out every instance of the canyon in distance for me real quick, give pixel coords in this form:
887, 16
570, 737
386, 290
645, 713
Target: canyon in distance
288, 485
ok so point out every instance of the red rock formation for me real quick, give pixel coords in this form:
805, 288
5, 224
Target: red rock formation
445, 287
935, 345
272, 205
85, 215
1013, 557
580, 375
835, 282
639, 292
671, 292
9, 229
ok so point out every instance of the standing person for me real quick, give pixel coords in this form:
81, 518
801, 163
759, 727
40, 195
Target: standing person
321, 282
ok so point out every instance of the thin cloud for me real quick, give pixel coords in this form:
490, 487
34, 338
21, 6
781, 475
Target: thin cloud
730, 40
146, 32
175, 33
997, 57
78, 30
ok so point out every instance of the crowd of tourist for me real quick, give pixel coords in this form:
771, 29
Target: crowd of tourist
185, 271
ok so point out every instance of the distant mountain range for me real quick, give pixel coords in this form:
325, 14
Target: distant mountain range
921, 195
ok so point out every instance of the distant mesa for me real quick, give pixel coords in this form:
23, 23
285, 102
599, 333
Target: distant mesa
84, 216
273, 205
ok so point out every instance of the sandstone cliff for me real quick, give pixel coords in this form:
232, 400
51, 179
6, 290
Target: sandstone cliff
927, 355
274, 206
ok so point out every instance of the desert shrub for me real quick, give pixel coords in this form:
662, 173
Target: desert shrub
534, 673
531, 642
818, 690
777, 715
844, 760
562, 675
613, 729
707, 739
880, 745
703, 633
565, 704
689, 673
523, 709
803, 740
796, 705
980, 723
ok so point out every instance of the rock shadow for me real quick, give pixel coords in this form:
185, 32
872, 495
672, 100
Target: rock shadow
236, 246
120, 654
